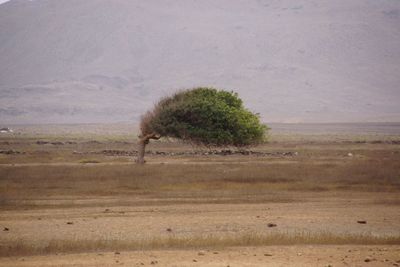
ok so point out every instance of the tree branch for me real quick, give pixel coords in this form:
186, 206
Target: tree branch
147, 137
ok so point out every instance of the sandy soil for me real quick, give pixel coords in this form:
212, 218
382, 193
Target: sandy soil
240, 256
331, 212
316, 212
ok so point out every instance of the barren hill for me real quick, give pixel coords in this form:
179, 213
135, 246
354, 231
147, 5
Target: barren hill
109, 61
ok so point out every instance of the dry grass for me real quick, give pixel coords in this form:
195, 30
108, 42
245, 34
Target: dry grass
230, 180
21, 248
124, 179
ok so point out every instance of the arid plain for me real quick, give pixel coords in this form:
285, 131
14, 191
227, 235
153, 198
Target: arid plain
314, 195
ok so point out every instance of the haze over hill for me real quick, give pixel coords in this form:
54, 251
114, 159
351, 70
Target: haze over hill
109, 61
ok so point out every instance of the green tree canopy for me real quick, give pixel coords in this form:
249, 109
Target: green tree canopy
204, 116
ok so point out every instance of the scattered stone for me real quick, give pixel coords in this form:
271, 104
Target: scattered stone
107, 210
290, 154
369, 259
70, 222
6, 229
169, 230
93, 142
39, 142
113, 152
71, 143
57, 143
201, 253
267, 255
153, 262
299, 254
362, 222
224, 152
360, 142
117, 252
194, 260
350, 154
271, 225
215, 252
10, 152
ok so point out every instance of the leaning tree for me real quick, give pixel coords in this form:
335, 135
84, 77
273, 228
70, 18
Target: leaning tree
204, 116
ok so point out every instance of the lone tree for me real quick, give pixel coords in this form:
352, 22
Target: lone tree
204, 116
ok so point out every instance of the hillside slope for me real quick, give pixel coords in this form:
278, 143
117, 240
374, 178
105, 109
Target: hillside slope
109, 61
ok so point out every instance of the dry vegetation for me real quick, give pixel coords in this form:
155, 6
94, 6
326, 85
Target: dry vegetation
21, 247
69, 179
203, 177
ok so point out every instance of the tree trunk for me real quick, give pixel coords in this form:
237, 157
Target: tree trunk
143, 141
141, 151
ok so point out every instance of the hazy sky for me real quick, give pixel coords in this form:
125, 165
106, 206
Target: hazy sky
3, 1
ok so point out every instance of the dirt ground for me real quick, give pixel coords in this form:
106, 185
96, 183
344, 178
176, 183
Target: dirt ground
325, 201
306, 255
333, 213
305, 212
